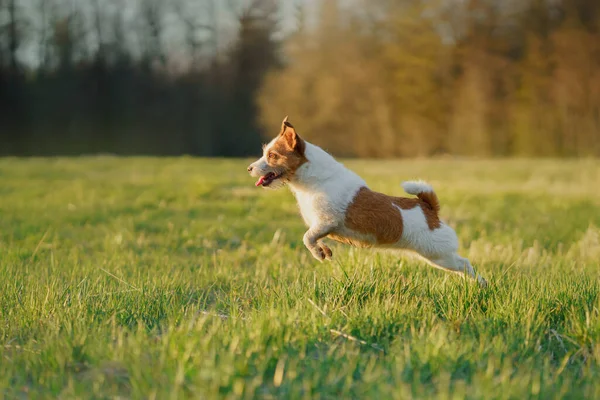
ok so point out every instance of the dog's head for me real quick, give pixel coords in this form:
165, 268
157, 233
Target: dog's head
281, 158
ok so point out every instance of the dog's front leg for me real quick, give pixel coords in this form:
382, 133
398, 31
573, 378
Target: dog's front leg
311, 240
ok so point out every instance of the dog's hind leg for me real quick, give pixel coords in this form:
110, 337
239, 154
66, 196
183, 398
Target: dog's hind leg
472, 273
454, 263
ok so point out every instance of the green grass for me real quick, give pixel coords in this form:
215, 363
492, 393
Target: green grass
176, 278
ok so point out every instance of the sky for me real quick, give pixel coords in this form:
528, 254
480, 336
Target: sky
29, 53
174, 33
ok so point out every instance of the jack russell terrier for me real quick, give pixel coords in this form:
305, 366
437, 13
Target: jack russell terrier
336, 203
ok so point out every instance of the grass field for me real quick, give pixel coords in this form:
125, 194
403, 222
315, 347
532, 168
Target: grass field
177, 278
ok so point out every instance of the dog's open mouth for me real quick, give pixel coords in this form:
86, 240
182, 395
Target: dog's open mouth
267, 179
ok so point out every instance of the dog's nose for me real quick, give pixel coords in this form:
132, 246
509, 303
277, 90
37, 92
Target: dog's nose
250, 168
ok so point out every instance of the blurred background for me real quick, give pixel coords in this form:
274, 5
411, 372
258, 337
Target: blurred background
363, 78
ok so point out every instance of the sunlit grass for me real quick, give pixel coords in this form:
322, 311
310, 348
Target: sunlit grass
174, 278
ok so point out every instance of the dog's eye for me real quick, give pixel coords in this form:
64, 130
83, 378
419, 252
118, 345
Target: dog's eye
272, 156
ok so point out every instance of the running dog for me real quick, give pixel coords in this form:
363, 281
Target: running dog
336, 203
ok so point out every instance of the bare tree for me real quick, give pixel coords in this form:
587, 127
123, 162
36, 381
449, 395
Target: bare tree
151, 32
197, 32
13, 36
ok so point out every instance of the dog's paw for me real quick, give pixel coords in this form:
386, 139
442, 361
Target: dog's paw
318, 253
482, 282
321, 252
327, 251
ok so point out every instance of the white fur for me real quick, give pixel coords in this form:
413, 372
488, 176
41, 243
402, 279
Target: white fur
324, 187
417, 236
416, 187
260, 166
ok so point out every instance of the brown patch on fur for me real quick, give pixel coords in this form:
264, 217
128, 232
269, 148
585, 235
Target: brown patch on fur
350, 241
431, 213
432, 200
373, 213
287, 152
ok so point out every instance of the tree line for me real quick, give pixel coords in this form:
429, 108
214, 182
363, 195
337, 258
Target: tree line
389, 78
133, 77
366, 78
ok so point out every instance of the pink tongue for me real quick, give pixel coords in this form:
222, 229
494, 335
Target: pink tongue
260, 181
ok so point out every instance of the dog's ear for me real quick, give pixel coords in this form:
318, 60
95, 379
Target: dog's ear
284, 125
292, 139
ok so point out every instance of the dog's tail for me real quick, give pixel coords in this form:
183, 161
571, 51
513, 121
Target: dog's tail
424, 192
